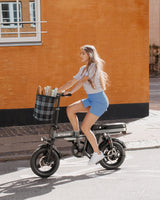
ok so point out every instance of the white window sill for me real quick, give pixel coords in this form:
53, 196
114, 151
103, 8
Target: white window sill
13, 44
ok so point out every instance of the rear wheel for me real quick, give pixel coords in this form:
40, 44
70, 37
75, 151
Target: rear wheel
43, 163
113, 157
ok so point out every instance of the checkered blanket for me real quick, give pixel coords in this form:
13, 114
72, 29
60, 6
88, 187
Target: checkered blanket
44, 108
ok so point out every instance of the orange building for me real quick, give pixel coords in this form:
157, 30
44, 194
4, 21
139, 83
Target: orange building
34, 53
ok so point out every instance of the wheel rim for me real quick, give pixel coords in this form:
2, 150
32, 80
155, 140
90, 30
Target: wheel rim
43, 165
111, 156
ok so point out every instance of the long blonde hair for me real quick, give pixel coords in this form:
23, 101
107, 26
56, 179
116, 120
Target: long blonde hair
94, 58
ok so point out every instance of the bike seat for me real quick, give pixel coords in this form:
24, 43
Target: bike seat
108, 126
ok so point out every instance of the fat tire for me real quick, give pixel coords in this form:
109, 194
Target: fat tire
35, 168
120, 160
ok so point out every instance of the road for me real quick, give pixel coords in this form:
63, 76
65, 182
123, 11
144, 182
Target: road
137, 179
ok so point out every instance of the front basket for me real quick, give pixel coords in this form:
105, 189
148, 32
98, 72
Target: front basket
44, 108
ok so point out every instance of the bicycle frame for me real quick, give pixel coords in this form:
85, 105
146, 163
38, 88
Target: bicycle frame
53, 134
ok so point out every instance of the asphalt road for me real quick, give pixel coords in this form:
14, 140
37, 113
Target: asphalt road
138, 178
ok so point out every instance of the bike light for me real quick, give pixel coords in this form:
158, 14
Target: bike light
43, 139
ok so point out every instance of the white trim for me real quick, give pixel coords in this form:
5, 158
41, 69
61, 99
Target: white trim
31, 32
23, 22
29, 39
18, 28
20, 44
38, 18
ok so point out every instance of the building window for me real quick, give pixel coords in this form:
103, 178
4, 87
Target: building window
20, 23
9, 14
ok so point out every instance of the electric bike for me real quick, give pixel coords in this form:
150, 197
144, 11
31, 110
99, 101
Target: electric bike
45, 159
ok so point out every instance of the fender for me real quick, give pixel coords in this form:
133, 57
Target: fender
120, 142
54, 148
113, 139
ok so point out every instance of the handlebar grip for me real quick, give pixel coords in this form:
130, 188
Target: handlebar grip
63, 95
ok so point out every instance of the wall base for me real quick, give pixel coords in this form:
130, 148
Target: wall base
21, 117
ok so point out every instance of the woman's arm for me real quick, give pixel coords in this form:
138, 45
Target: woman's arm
68, 85
79, 84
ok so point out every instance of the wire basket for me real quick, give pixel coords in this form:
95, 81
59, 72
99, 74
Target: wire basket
44, 108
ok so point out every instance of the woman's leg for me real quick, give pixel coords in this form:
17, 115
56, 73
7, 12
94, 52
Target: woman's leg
71, 113
88, 121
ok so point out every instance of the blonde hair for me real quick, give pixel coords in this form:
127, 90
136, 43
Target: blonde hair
94, 58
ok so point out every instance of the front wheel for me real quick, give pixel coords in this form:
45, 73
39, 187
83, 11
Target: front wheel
44, 162
113, 157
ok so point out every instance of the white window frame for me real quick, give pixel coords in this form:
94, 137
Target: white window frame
11, 11
23, 41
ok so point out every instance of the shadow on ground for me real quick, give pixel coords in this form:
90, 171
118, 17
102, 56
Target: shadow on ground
31, 187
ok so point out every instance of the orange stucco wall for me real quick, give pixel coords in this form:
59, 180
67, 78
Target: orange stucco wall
119, 31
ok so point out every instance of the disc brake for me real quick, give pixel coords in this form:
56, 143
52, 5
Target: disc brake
43, 162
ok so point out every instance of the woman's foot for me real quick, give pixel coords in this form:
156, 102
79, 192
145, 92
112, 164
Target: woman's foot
96, 158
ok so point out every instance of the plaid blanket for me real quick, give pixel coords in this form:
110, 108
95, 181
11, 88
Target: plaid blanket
44, 108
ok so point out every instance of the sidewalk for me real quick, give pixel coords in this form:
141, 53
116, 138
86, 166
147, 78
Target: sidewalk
18, 142
143, 133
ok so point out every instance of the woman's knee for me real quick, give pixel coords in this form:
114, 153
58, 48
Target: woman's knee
73, 108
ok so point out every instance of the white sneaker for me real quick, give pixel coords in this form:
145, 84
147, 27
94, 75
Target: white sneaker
95, 158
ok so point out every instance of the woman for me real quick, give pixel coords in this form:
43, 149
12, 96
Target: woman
93, 79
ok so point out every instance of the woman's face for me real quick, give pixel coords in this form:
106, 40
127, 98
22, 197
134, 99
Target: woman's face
84, 56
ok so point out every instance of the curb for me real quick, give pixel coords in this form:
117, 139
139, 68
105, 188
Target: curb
142, 145
142, 148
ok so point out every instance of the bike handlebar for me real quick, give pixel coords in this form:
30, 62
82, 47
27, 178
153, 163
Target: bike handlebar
63, 95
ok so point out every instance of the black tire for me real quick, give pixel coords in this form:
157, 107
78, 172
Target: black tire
39, 165
113, 157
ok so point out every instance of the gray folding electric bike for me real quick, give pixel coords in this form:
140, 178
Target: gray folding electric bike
46, 159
